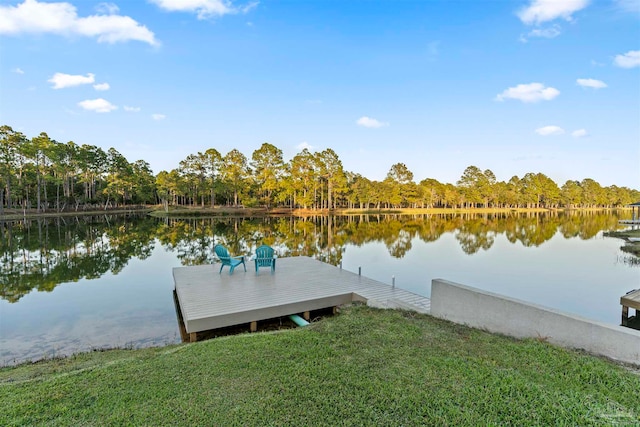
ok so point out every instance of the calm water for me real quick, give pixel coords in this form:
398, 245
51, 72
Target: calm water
69, 285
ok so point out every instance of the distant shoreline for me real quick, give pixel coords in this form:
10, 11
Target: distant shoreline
226, 211
230, 211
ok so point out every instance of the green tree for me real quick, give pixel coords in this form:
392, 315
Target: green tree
10, 141
432, 192
512, 196
212, 161
92, 162
592, 193
571, 194
37, 150
331, 171
531, 189
452, 196
171, 187
488, 190
144, 187
303, 178
268, 168
361, 190
402, 189
119, 178
235, 172
472, 183
193, 170
400, 173
550, 193
64, 168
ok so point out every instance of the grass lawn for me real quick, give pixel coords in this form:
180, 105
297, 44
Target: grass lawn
363, 367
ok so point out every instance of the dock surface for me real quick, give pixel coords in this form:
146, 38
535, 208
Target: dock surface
211, 300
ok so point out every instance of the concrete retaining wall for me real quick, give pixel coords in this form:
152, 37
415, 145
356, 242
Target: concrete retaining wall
509, 316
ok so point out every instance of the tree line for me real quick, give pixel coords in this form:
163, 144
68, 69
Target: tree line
46, 175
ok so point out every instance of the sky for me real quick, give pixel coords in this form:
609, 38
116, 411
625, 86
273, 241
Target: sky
550, 86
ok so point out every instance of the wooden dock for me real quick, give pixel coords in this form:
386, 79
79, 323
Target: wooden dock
630, 300
210, 300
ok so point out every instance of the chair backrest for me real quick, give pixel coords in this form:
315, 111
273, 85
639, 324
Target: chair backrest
264, 252
222, 253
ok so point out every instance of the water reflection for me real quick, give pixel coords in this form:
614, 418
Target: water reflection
42, 253
112, 274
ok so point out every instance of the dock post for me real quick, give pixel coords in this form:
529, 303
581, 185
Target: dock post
630, 300
359, 271
625, 315
340, 265
393, 281
193, 337
306, 315
253, 326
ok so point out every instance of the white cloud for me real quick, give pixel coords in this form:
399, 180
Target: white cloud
550, 130
368, 122
61, 18
204, 8
547, 33
247, 7
61, 80
107, 8
540, 11
18, 71
131, 109
580, 133
115, 28
98, 105
532, 92
596, 84
102, 86
158, 117
628, 60
306, 145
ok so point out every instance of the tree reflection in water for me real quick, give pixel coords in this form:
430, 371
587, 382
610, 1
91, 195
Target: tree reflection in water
42, 253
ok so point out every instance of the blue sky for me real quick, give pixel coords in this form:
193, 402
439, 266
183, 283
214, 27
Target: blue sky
549, 86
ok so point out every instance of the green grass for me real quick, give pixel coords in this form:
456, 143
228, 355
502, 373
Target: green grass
362, 367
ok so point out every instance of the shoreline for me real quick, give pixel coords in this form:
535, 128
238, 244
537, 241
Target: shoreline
631, 246
225, 211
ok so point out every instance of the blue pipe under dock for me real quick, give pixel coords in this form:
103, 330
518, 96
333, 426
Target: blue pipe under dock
298, 320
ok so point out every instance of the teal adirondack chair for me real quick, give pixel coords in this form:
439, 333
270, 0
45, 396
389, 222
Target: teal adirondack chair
265, 257
232, 261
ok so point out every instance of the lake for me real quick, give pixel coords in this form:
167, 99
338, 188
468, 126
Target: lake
75, 284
